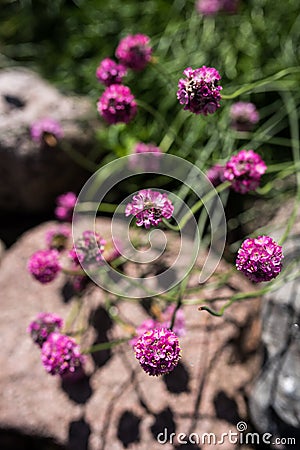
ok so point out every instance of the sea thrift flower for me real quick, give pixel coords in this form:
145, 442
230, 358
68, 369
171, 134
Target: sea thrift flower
158, 351
46, 130
134, 51
216, 174
61, 355
109, 72
244, 170
150, 161
65, 206
57, 237
243, 116
260, 259
43, 325
44, 265
88, 249
208, 7
199, 91
149, 207
117, 104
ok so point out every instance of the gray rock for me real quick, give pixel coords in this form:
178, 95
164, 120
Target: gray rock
33, 175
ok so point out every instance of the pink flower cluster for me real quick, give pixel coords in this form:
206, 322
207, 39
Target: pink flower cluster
88, 249
260, 259
244, 171
163, 322
243, 116
211, 7
158, 351
149, 207
150, 161
216, 174
61, 355
47, 131
43, 325
44, 265
199, 91
58, 236
117, 104
65, 206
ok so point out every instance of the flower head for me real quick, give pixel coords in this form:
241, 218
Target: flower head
47, 131
158, 351
150, 160
244, 171
208, 7
65, 206
43, 325
134, 51
260, 259
216, 174
60, 354
44, 265
57, 237
117, 104
149, 207
88, 249
109, 72
243, 116
199, 91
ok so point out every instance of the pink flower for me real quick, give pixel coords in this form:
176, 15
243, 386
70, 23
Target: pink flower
117, 104
150, 161
260, 259
44, 265
109, 72
208, 7
158, 351
65, 206
149, 207
57, 237
134, 51
216, 174
88, 249
43, 325
199, 91
243, 116
61, 355
244, 171
47, 131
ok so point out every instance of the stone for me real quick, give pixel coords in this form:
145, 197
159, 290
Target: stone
33, 175
117, 405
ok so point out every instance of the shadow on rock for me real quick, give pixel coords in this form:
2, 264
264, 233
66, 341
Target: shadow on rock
11, 439
226, 408
101, 322
79, 433
79, 391
177, 381
128, 428
164, 424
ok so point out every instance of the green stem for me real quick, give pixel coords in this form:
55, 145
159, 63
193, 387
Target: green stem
105, 345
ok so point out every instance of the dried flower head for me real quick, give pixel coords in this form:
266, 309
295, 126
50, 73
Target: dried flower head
117, 104
43, 325
109, 72
149, 207
158, 351
134, 51
58, 236
61, 354
244, 171
44, 265
88, 249
199, 91
243, 116
260, 259
65, 206
47, 131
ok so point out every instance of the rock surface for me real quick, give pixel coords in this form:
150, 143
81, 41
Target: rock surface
32, 175
117, 405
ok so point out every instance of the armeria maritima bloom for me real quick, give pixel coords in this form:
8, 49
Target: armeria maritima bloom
216, 174
43, 325
211, 7
150, 160
243, 116
65, 206
149, 208
199, 91
109, 72
134, 51
47, 131
244, 171
260, 259
117, 104
58, 236
158, 351
88, 249
44, 265
61, 354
